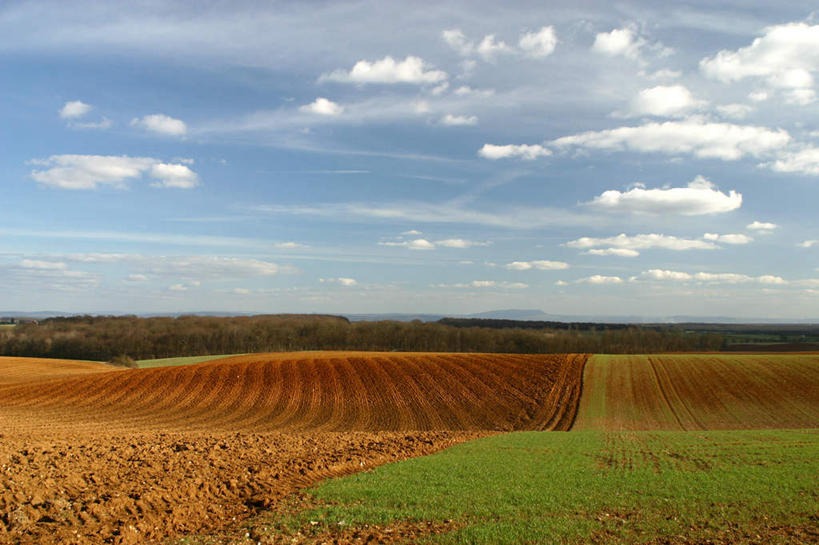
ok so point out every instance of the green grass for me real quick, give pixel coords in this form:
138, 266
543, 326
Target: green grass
629, 487
187, 360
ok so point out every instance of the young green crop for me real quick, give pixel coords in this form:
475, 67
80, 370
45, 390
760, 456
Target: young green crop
535, 487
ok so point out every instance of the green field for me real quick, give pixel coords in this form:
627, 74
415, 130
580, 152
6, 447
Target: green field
187, 360
580, 487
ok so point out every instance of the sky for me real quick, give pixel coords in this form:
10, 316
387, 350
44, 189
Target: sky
582, 158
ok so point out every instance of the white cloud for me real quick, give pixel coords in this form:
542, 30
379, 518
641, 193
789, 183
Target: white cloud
178, 287
728, 239
465, 90
808, 243
137, 278
341, 281
170, 175
424, 244
74, 109
489, 48
734, 111
459, 243
665, 101
702, 139
539, 44
92, 171
459, 120
628, 43
710, 278
700, 197
524, 151
619, 252
803, 162
533, 44
43, 265
161, 124
642, 242
761, 226
412, 232
456, 39
541, 265
416, 244
322, 106
240, 291
785, 56
561, 283
289, 245
388, 70
758, 96
600, 280
485, 284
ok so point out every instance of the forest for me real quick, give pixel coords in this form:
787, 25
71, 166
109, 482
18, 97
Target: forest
103, 338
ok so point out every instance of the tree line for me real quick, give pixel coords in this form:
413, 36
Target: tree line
103, 338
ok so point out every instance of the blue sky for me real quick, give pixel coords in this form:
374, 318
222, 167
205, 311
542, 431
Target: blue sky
364, 157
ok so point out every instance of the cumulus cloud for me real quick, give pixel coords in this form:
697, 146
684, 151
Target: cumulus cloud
289, 245
424, 244
524, 151
489, 48
728, 239
341, 281
415, 244
43, 265
786, 56
805, 161
734, 111
456, 39
665, 101
459, 120
387, 70
619, 252
161, 124
698, 198
171, 175
539, 44
620, 41
642, 242
702, 139
761, 226
627, 42
74, 109
541, 265
465, 90
93, 171
600, 280
322, 106
485, 284
706, 277
808, 243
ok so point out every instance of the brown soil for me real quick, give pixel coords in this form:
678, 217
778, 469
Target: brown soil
140, 456
21, 370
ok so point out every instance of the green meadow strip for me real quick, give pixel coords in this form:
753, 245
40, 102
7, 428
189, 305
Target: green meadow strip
626, 487
188, 360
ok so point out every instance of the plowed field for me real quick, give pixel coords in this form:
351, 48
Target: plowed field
136, 456
700, 392
21, 370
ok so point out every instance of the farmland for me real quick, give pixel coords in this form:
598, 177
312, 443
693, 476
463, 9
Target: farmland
700, 392
130, 455
215, 450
